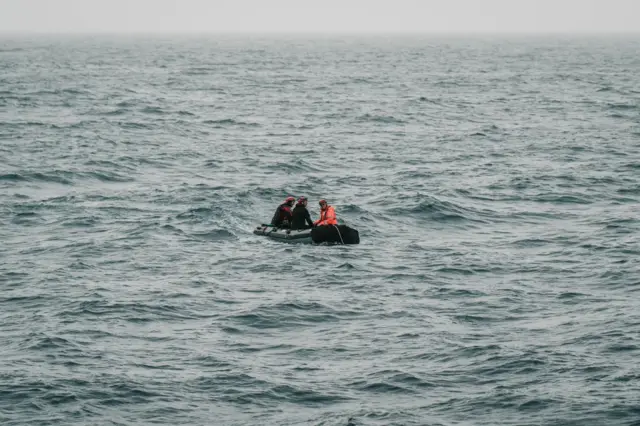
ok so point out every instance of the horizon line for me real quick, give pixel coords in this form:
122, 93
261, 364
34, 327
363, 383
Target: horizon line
323, 33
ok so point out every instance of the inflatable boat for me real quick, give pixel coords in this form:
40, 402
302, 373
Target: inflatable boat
329, 234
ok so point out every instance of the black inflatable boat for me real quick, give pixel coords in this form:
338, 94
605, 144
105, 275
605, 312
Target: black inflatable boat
330, 234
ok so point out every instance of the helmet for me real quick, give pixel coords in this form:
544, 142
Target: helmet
302, 200
323, 201
289, 199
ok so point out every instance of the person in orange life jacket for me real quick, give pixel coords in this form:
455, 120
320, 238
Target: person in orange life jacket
327, 215
301, 218
282, 216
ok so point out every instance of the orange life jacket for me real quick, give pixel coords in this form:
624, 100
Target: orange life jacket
327, 217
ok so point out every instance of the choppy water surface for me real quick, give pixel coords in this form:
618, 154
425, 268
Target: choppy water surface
495, 183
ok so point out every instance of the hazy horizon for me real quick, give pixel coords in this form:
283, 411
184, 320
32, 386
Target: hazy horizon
319, 33
330, 17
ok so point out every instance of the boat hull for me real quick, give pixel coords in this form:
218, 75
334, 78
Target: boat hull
328, 235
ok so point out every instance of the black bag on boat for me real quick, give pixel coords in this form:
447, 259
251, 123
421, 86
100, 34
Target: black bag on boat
340, 234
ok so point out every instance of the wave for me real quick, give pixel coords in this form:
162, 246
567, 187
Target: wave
12, 177
392, 381
112, 112
433, 209
80, 222
64, 177
132, 311
298, 165
28, 123
631, 190
486, 131
289, 80
531, 242
285, 315
230, 122
383, 119
202, 70
12, 49
351, 208
39, 342
215, 235
110, 164
126, 104
623, 106
152, 110
198, 213
242, 388
135, 125
429, 100
562, 199
39, 93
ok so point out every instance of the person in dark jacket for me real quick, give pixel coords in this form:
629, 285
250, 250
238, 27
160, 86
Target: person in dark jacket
282, 216
301, 217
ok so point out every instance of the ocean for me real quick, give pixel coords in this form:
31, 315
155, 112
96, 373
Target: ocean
494, 182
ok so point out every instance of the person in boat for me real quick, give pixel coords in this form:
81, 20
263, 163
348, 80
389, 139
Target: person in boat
327, 215
301, 218
282, 216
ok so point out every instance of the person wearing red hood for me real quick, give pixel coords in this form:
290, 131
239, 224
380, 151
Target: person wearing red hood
283, 215
327, 215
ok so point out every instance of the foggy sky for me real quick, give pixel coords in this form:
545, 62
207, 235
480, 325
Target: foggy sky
343, 16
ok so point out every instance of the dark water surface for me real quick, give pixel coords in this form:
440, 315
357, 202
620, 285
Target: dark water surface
495, 183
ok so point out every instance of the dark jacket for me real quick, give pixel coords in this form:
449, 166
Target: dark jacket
300, 216
282, 216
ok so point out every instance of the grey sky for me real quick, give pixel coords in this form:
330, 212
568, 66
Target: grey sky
320, 16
